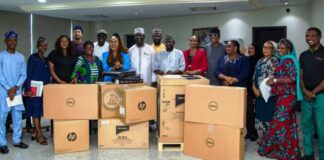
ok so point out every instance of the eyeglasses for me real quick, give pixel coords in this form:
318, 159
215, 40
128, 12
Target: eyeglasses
264, 47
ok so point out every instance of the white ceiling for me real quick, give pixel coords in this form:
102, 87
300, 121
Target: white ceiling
110, 10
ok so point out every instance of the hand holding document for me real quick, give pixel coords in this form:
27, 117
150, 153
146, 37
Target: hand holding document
265, 89
16, 101
36, 87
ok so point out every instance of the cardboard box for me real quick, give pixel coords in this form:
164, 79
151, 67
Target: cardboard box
178, 80
213, 142
172, 127
138, 104
71, 136
110, 100
172, 102
113, 133
170, 140
71, 101
216, 105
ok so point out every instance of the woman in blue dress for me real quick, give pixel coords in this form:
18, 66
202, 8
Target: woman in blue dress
37, 70
233, 67
115, 59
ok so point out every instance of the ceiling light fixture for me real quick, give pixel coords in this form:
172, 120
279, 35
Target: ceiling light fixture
114, 3
42, 1
285, 2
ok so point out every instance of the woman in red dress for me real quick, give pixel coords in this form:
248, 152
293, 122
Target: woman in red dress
281, 139
195, 58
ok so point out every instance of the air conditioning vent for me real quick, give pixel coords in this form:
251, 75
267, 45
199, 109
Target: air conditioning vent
96, 16
203, 9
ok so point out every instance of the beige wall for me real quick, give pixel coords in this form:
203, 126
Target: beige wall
232, 25
50, 28
19, 23
316, 12
88, 29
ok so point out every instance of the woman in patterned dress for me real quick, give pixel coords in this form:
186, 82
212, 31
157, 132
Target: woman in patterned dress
88, 68
264, 69
281, 139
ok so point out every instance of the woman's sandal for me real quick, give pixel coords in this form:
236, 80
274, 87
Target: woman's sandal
34, 138
43, 141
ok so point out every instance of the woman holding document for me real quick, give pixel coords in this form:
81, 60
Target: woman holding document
37, 73
280, 141
264, 69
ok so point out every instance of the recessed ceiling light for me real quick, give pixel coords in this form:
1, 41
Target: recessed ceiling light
42, 1
286, 3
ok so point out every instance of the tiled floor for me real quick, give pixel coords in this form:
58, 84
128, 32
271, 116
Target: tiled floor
38, 152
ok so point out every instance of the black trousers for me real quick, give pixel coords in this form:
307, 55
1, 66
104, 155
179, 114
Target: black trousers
250, 116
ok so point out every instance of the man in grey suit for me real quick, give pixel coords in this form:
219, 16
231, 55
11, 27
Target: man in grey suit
214, 50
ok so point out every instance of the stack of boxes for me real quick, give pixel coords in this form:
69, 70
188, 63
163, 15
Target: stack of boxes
208, 120
125, 112
171, 107
72, 106
214, 122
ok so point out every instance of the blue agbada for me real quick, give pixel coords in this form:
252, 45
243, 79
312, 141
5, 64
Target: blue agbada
12, 73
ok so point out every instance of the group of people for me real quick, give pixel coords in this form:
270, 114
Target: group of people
271, 123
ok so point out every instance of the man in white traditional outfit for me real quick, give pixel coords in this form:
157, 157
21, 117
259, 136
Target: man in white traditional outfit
101, 45
142, 57
170, 61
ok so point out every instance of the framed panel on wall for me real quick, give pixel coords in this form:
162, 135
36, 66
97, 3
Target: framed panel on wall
203, 34
129, 40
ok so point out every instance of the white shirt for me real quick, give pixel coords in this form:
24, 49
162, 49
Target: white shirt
169, 61
142, 61
99, 50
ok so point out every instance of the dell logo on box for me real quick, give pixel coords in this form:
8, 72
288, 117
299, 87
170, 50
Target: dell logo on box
210, 142
70, 102
213, 106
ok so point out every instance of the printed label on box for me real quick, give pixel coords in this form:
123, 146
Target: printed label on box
103, 122
180, 99
120, 129
122, 110
111, 100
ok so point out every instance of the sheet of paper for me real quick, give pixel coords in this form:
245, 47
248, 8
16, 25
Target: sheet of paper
16, 101
265, 89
